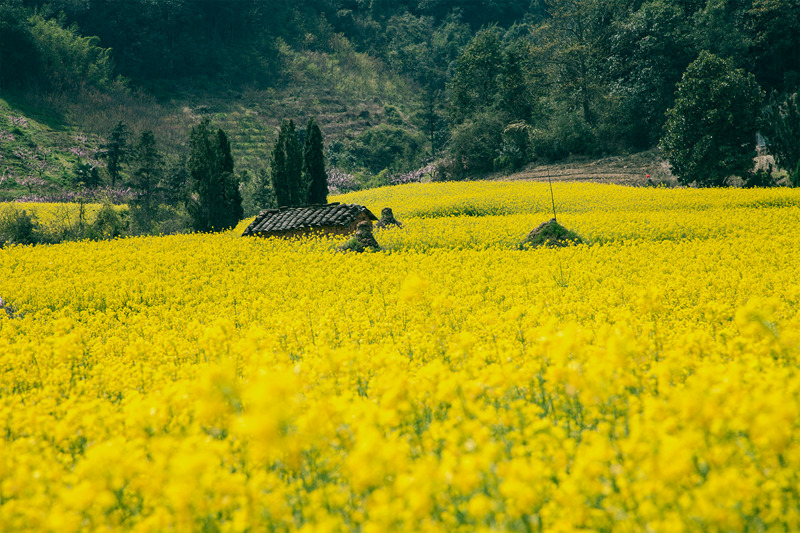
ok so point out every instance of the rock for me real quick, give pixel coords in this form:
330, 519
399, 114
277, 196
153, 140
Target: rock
361, 240
552, 235
387, 219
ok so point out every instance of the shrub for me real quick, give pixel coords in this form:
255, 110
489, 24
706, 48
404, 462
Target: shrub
386, 147
110, 222
566, 133
18, 227
515, 150
86, 174
759, 178
474, 146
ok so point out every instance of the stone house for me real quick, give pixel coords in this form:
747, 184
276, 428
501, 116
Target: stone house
328, 219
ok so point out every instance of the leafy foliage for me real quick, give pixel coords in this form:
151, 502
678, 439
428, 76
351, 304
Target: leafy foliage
386, 148
476, 75
18, 227
710, 131
649, 52
474, 146
782, 127
70, 59
108, 223
21, 60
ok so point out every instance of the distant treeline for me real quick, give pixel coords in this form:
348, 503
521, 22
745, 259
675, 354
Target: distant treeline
498, 82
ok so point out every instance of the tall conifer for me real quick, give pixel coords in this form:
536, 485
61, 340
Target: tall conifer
148, 171
216, 203
294, 167
117, 150
231, 201
314, 165
286, 168
280, 180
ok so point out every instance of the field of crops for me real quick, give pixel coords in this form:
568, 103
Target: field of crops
645, 381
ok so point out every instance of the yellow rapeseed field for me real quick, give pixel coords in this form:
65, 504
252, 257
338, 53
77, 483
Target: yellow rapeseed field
54, 215
647, 380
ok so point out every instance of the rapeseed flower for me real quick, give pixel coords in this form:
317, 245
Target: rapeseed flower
646, 379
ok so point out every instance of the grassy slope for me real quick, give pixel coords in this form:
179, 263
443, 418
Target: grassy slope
347, 93
35, 142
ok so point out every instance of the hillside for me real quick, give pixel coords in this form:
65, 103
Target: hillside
482, 88
62, 136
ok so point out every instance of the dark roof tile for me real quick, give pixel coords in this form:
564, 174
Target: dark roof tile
291, 218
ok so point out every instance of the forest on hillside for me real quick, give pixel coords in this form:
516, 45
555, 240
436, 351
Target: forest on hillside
468, 86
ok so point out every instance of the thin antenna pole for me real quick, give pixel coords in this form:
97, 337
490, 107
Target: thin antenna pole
552, 198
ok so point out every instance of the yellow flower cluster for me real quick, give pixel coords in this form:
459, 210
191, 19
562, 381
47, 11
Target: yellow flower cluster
645, 381
53, 214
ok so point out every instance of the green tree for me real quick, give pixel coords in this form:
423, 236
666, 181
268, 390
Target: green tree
649, 53
782, 128
298, 188
116, 151
257, 192
70, 59
720, 29
146, 177
710, 131
422, 51
286, 167
314, 165
386, 147
475, 145
475, 78
232, 196
574, 42
516, 99
215, 203
20, 55
774, 27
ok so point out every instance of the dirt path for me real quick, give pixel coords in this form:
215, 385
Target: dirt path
643, 169
630, 170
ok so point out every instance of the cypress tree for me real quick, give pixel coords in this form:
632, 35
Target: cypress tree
216, 203
286, 167
231, 201
298, 191
314, 165
280, 180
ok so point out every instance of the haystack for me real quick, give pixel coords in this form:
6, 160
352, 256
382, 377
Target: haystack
550, 234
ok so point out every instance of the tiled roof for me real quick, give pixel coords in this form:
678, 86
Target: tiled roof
293, 218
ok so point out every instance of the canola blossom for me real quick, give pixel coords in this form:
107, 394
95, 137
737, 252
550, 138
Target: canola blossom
55, 216
644, 381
